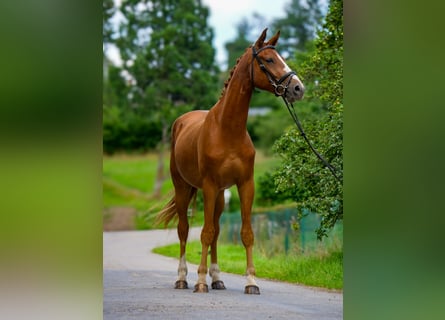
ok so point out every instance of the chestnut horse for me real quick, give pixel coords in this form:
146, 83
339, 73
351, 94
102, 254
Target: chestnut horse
211, 150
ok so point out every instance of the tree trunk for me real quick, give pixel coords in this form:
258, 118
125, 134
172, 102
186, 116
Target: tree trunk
160, 173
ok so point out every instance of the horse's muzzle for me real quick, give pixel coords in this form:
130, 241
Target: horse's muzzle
295, 91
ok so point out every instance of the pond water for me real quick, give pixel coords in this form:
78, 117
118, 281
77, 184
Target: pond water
275, 232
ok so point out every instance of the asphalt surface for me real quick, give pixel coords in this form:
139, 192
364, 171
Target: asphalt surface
138, 284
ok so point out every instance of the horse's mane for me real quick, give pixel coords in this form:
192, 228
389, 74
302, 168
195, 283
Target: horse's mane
226, 83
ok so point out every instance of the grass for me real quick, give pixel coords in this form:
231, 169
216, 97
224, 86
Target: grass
128, 181
134, 171
318, 269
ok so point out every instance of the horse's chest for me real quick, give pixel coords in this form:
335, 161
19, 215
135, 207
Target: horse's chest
229, 168
232, 166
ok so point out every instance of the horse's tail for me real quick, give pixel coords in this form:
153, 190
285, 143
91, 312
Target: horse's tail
167, 213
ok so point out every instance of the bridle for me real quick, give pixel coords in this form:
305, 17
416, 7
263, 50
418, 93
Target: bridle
280, 91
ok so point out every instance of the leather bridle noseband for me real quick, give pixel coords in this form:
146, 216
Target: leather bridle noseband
280, 89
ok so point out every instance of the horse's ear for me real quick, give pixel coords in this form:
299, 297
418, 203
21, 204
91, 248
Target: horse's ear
259, 43
273, 41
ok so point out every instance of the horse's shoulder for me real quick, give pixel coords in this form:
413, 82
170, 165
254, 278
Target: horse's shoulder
192, 116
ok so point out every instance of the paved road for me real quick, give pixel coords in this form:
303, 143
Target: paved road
138, 284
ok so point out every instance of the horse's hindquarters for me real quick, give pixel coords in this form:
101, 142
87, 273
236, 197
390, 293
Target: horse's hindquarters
184, 158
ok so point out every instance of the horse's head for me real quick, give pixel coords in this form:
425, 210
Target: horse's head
270, 72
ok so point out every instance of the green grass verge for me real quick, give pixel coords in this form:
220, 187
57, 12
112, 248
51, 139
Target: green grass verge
128, 181
316, 269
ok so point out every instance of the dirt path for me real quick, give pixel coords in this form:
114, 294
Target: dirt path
138, 284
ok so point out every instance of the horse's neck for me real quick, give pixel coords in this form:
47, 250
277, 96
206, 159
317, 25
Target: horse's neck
233, 107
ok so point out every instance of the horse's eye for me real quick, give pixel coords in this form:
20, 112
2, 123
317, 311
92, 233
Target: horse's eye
269, 60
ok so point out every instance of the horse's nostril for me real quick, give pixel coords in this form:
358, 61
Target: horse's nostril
297, 88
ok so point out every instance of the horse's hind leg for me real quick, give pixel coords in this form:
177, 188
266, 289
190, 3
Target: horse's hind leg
210, 193
214, 271
183, 195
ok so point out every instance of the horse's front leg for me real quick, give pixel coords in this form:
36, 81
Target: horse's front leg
207, 234
214, 270
246, 193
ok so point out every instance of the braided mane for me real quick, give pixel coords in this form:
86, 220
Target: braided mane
226, 83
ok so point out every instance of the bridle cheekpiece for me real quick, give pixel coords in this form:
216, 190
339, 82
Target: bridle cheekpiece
280, 89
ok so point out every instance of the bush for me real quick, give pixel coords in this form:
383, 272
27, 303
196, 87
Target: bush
267, 194
302, 175
125, 130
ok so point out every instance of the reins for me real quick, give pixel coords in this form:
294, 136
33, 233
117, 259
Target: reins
280, 91
293, 114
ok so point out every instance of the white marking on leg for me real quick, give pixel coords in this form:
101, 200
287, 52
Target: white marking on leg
251, 280
202, 278
182, 269
214, 272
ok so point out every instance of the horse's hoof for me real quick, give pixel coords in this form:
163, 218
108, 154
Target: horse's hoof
252, 289
181, 284
218, 285
201, 288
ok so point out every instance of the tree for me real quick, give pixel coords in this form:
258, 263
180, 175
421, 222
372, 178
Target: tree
301, 174
108, 10
166, 47
167, 53
299, 25
236, 48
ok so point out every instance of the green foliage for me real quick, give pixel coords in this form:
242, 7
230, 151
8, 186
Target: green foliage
167, 49
128, 131
301, 174
108, 10
237, 47
313, 186
267, 194
168, 68
265, 129
326, 64
299, 25
128, 182
265, 99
